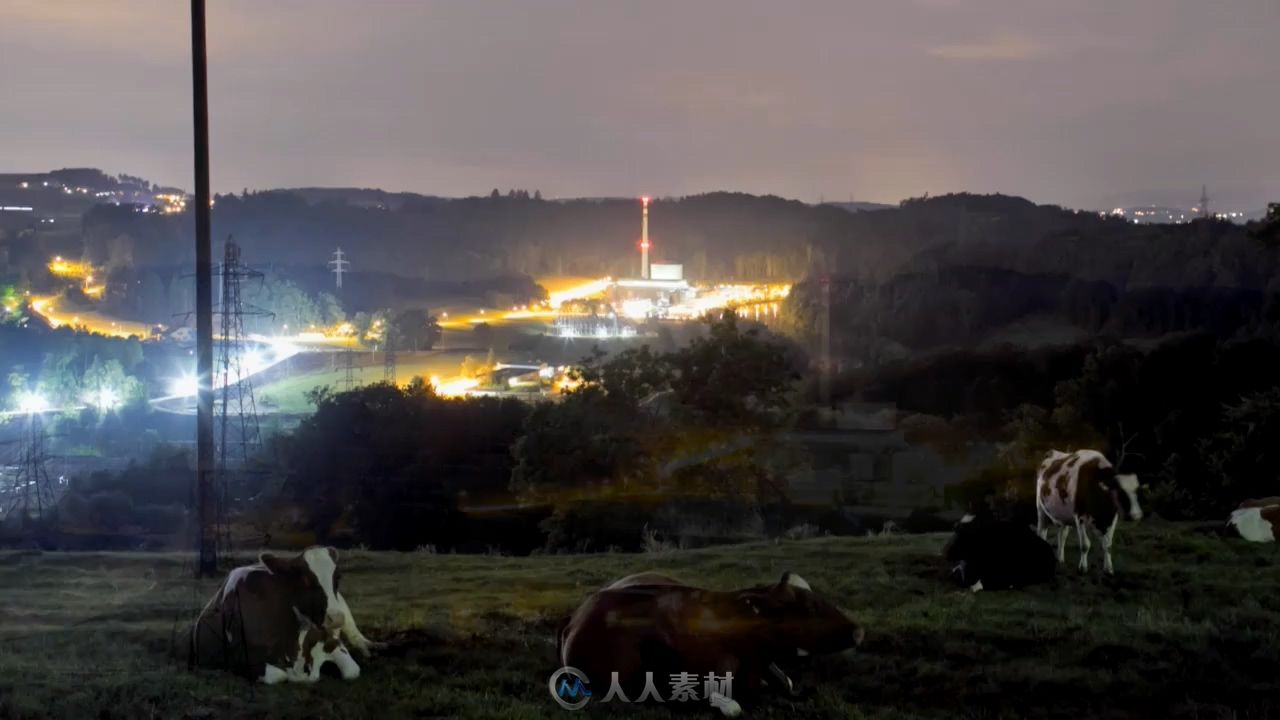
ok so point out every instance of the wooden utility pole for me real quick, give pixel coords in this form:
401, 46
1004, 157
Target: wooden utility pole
206, 503
824, 380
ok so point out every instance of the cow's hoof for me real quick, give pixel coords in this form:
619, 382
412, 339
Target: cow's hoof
728, 707
366, 648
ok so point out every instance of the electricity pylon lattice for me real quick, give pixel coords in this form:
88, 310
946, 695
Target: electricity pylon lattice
30, 494
388, 360
236, 412
339, 265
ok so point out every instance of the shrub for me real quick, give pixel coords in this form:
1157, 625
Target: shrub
110, 510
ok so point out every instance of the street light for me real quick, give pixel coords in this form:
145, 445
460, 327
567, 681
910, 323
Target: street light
31, 403
105, 399
185, 386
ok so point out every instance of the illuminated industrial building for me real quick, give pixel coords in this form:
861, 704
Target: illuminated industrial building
661, 292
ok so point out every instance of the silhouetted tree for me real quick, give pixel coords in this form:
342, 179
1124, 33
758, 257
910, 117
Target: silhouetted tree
416, 328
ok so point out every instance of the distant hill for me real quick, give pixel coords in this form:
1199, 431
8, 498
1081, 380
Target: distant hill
950, 270
363, 197
860, 206
716, 236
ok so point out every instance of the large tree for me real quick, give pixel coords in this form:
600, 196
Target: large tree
391, 461
415, 329
691, 421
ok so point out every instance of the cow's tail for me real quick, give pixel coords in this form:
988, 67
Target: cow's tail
560, 632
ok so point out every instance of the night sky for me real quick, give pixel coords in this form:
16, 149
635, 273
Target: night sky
1086, 103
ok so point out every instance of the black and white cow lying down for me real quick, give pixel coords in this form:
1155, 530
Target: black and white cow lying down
1082, 489
985, 553
280, 621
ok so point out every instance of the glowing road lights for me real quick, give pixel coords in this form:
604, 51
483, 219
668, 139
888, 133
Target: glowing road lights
579, 292
32, 403
454, 388
104, 399
254, 361
185, 386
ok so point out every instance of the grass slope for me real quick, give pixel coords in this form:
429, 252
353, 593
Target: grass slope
1189, 629
290, 395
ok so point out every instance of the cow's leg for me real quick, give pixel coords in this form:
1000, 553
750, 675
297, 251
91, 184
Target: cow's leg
782, 678
273, 675
1042, 527
1082, 529
727, 706
349, 631
346, 664
1064, 532
1107, 538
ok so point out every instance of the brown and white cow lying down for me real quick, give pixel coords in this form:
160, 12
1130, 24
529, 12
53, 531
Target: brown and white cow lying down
1082, 489
654, 623
1257, 520
280, 620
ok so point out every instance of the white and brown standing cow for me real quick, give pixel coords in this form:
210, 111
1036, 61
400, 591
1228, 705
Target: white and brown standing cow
1082, 489
280, 620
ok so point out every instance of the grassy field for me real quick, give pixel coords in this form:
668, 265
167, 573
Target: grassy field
1190, 628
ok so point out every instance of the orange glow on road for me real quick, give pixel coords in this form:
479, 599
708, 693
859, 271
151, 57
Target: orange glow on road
91, 322
454, 387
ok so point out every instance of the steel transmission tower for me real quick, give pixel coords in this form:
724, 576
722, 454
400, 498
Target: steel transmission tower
339, 265
349, 360
237, 412
30, 494
388, 359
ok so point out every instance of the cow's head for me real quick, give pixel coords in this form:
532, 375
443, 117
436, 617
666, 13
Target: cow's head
798, 622
959, 546
1127, 497
311, 580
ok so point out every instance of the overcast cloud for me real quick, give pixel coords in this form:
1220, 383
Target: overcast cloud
1085, 103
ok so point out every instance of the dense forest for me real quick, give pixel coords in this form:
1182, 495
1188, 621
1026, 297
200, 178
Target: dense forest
718, 236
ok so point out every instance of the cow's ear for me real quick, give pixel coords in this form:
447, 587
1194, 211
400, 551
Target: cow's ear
753, 604
274, 563
333, 553
792, 580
